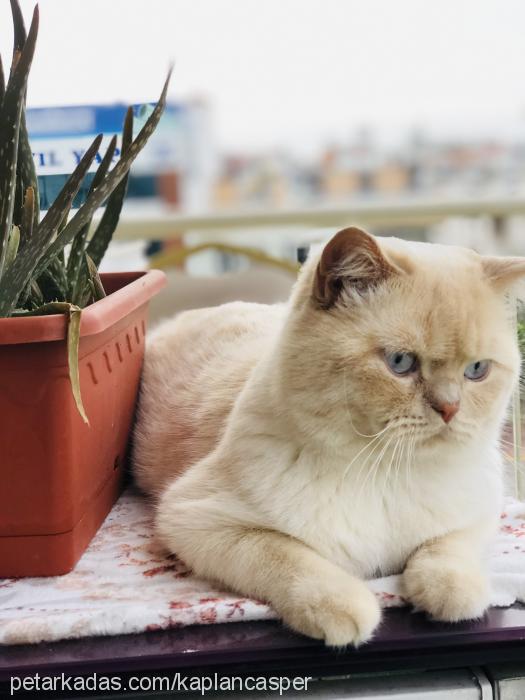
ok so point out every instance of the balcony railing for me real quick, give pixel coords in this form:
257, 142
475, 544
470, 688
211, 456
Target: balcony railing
162, 224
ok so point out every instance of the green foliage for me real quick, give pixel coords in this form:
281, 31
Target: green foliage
36, 275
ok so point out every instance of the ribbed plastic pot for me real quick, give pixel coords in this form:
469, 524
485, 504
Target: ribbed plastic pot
59, 477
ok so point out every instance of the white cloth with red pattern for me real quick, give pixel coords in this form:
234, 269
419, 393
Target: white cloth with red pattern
125, 583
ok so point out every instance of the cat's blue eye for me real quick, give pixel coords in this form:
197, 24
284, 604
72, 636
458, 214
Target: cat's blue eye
477, 370
401, 362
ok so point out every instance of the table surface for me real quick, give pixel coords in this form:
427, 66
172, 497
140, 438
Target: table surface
404, 640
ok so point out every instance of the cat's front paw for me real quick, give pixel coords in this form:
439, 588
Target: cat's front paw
340, 611
449, 590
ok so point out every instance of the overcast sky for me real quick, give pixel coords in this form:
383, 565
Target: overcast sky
291, 72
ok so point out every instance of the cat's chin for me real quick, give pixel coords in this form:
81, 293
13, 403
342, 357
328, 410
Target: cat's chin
444, 435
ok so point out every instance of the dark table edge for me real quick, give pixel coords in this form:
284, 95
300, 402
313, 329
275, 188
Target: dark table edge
404, 638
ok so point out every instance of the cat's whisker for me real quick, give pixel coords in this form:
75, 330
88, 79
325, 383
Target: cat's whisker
397, 460
373, 471
410, 458
406, 458
375, 441
413, 453
362, 482
382, 455
506, 442
401, 457
399, 444
362, 467
347, 404
411, 442
363, 449
364, 434
504, 449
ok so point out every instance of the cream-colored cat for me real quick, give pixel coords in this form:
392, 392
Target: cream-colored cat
296, 450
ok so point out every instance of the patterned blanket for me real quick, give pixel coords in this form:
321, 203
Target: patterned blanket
126, 583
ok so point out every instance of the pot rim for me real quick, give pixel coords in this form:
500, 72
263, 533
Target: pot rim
97, 317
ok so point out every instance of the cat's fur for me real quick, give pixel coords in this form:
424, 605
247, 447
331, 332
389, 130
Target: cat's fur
256, 434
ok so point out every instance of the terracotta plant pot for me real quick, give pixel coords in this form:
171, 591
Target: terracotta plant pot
59, 476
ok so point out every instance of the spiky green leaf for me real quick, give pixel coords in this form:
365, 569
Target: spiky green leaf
34, 258
95, 199
104, 232
12, 246
33, 297
79, 242
10, 117
25, 171
19, 30
26, 176
27, 217
53, 282
2, 82
98, 287
62, 204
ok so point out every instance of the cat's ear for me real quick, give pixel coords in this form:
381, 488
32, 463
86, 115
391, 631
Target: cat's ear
503, 272
352, 258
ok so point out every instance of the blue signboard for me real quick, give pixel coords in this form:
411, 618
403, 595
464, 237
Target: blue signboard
60, 136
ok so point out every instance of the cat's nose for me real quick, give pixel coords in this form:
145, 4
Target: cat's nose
447, 410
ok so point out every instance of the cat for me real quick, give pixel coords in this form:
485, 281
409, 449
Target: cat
295, 450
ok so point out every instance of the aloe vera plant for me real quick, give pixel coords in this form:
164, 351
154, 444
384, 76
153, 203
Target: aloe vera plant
37, 276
